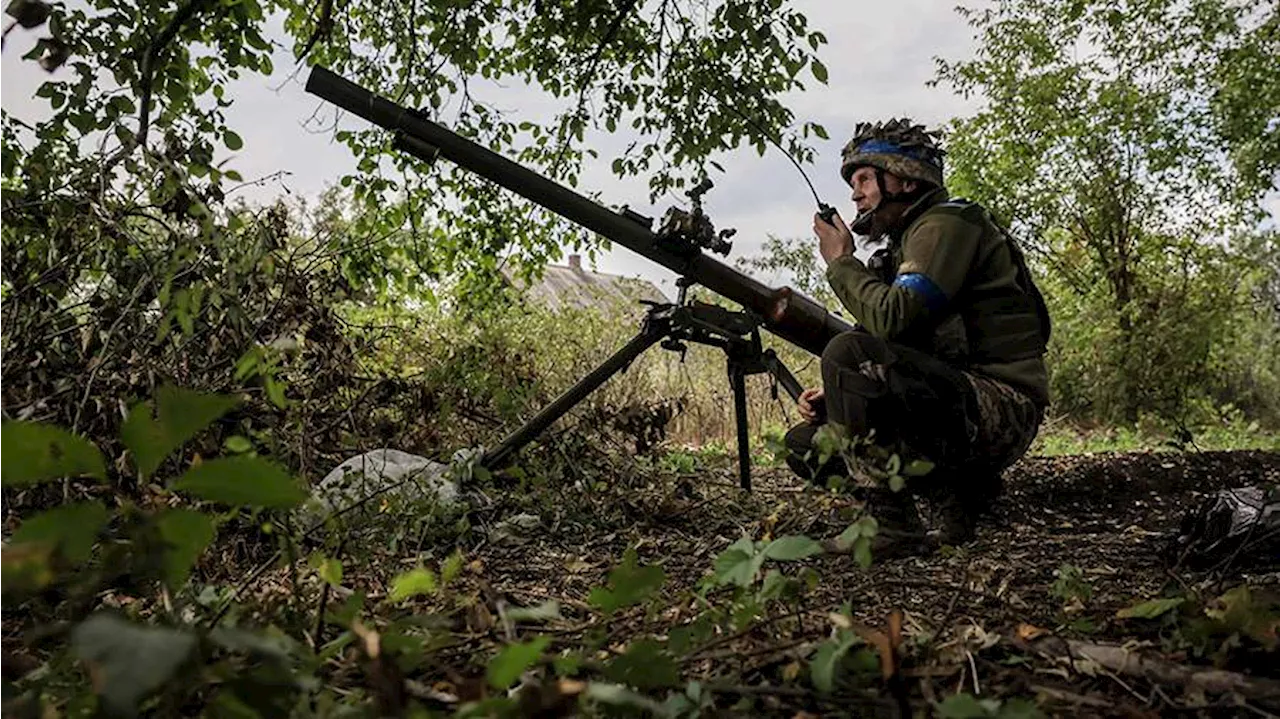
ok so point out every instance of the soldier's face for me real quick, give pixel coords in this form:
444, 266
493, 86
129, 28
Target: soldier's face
866, 192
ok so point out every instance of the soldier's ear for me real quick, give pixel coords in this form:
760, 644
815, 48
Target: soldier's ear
909, 186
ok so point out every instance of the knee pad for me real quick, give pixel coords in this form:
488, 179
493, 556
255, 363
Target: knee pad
857, 363
850, 349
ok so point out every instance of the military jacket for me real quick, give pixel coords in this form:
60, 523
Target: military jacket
955, 285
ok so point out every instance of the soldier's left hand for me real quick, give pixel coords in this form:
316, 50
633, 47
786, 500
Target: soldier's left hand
834, 238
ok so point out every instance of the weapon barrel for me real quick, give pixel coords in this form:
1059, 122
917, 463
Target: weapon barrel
789, 315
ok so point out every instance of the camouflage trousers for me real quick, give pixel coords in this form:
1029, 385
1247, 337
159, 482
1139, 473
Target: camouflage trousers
919, 405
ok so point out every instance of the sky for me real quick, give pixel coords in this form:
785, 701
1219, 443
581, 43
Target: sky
880, 57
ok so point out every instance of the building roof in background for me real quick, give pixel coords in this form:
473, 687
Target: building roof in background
572, 286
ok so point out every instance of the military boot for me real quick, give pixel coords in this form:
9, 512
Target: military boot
958, 499
955, 518
900, 533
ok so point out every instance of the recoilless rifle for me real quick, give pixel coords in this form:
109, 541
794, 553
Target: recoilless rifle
681, 243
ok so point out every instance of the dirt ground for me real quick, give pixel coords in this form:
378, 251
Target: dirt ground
984, 619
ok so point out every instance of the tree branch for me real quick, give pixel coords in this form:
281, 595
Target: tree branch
170, 31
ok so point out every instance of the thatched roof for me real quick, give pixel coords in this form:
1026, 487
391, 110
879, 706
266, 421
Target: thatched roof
572, 286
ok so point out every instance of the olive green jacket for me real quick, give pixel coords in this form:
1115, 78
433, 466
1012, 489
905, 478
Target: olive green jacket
960, 292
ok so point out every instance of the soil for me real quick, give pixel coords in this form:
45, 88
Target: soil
985, 618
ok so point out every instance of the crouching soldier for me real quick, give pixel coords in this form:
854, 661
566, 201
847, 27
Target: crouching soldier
947, 360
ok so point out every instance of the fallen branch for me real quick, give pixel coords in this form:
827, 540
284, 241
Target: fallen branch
1083, 655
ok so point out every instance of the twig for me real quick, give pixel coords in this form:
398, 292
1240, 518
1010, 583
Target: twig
739, 634
1072, 697
270, 561
589, 76
761, 689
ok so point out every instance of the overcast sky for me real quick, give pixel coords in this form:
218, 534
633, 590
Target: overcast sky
880, 56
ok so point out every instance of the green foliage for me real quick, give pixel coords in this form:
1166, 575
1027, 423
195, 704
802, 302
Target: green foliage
188, 533
664, 74
645, 666
1246, 612
1070, 584
413, 583
1151, 608
794, 261
1102, 125
966, 706
47, 453
629, 584
179, 415
70, 530
858, 537
791, 548
242, 480
740, 563
505, 668
136, 550
329, 569
129, 661
825, 664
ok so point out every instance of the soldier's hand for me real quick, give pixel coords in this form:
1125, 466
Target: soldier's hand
813, 408
834, 238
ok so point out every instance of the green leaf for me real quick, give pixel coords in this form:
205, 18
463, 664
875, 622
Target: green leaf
1020, 709
738, 564
232, 141
773, 585
242, 480
35, 452
69, 529
862, 551
791, 548
819, 71
826, 660
180, 415
128, 661
865, 527
644, 666
275, 391
966, 706
187, 532
628, 584
236, 444
412, 583
1150, 609
451, 567
329, 569
505, 668
918, 468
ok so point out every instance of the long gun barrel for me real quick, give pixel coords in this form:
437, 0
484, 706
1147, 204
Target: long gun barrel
788, 314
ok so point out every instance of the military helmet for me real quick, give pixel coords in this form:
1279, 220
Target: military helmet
897, 146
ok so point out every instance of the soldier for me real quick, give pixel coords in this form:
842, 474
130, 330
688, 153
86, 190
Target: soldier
947, 361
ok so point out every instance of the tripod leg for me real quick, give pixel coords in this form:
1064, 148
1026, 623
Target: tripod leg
498, 456
738, 379
784, 376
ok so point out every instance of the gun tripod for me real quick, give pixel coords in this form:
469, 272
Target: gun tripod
674, 325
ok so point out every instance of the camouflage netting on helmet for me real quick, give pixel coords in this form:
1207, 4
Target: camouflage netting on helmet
896, 146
